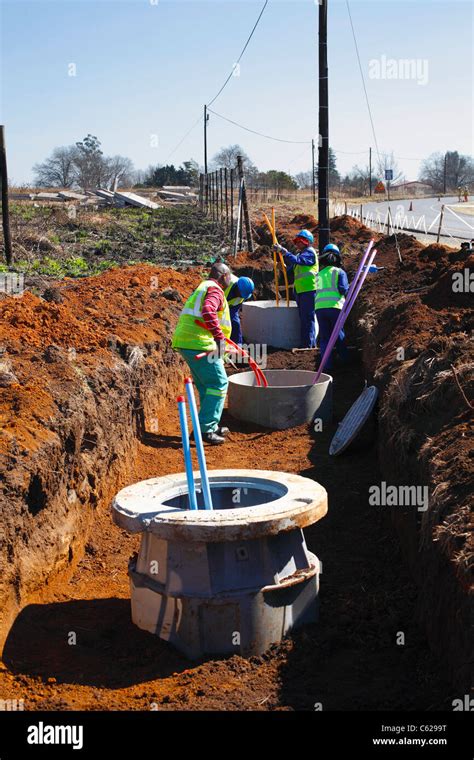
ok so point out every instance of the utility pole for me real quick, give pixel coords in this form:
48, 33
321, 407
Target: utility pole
206, 117
5, 215
323, 153
313, 178
445, 174
370, 172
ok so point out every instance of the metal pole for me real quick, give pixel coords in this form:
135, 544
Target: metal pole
370, 172
226, 199
221, 171
232, 203
323, 154
440, 223
5, 213
246, 214
206, 117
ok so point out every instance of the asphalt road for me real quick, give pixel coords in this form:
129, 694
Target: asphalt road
462, 228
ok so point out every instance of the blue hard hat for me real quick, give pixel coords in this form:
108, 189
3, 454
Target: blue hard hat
246, 287
331, 247
306, 235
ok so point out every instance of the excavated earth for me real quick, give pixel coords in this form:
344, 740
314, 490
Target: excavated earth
88, 406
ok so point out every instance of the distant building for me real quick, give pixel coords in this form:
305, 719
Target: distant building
413, 188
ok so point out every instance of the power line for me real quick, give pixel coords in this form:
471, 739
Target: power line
225, 83
363, 80
240, 56
185, 136
260, 134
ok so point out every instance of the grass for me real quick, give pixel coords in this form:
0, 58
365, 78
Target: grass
94, 240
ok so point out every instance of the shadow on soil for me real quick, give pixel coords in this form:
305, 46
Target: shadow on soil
109, 651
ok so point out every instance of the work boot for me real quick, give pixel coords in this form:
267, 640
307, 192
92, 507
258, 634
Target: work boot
213, 438
222, 430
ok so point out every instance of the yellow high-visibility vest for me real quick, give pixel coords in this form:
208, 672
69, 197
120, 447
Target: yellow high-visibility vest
327, 293
238, 299
188, 334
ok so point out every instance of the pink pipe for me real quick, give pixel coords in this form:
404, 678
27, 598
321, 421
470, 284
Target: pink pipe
352, 294
357, 274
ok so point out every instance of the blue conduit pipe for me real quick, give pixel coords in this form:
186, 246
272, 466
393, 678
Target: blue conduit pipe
206, 489
183, 420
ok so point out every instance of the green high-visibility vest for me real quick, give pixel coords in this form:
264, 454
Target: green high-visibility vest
233, 301
305, 277
327, 293
188, 334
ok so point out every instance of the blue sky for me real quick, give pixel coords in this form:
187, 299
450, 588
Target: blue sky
146, 68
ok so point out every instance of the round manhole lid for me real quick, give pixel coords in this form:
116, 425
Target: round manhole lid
354, 420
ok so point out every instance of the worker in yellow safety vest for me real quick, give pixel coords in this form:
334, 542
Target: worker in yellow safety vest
305, 269
331, 289
207, 304
239, 290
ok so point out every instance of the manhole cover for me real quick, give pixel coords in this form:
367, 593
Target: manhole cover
354, 420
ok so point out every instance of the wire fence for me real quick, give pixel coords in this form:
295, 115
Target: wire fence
389, 222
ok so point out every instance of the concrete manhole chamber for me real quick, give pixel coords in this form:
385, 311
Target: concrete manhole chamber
291, 398
266, 323
234, 579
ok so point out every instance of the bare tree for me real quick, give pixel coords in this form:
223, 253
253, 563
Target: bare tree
304, 179
387, 161
59, 170
118, 171
226, 158
459, 171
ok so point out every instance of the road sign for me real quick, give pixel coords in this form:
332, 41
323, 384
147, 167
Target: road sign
389, 174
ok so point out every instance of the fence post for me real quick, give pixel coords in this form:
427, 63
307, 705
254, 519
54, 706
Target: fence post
201, 193
345, 208
361, 212
245, 205
238, 224
226, 200
5, 212
232, 203
440, 223
221, 182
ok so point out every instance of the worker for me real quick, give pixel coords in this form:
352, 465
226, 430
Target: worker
305, 268
239, 290
209, 305
331, 289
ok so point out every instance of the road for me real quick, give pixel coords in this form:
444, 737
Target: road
422, 220
460, 228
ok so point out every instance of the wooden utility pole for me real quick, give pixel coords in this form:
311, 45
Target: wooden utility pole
206, 117
323, 153
5, 214
313, 178
370, 172
245, 205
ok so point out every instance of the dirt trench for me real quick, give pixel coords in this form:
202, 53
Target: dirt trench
120, 427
